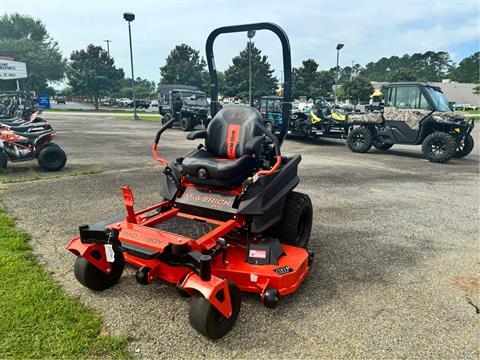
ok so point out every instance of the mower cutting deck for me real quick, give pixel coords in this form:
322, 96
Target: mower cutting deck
230, 221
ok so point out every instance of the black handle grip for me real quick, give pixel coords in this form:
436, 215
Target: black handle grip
167, 125
271, 136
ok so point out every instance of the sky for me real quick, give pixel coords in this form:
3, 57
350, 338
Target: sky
369, 29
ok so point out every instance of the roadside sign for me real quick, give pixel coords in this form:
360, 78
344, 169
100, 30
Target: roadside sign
11, 70
43, 101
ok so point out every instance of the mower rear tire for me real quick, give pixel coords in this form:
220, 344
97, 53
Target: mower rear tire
3, 160
360, 139
52, 157
439, 147
93, 278
207, 320
296, 224
381, 146
465, 147
186, 124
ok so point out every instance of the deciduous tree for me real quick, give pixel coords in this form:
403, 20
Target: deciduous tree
401, 74
26, 39
92, 72
144, 89
308, 81
468, 70
357, 89
429, 66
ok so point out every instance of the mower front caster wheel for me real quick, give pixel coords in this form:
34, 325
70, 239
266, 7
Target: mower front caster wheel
142, 275
93, 278
207, 320
271, 297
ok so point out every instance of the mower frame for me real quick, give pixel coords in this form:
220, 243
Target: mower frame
207, 264
220, 251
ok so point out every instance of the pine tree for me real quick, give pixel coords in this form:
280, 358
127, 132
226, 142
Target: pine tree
237, 75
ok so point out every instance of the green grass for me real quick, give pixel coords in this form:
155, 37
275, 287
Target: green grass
32, 176
37, 320
474, 112
471, 111
118, 110
91, 171
143, 118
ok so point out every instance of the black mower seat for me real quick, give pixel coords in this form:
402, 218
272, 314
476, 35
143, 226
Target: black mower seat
225, 161
218, 172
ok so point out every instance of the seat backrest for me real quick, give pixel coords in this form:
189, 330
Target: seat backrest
230, 129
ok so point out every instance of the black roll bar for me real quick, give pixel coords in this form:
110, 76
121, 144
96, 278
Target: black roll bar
287, 67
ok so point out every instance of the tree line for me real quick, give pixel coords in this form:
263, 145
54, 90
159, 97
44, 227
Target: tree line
92, 72
185, 66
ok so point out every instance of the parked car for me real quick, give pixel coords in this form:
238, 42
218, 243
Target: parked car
140, 104
123, 102
60, 100
464, 107
107, 102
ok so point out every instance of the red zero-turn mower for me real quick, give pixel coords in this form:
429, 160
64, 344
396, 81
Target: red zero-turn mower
230, 221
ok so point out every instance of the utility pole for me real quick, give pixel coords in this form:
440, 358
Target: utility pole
129, 17
250, 35
108, 46
339, 47
283, 82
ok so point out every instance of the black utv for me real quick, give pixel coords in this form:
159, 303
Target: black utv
187, 104
414, 114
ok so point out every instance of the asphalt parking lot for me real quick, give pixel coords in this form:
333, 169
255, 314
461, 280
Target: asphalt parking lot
396, 241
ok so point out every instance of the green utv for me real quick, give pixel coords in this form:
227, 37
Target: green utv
414, 114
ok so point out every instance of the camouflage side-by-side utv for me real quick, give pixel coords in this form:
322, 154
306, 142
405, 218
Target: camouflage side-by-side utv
414, 114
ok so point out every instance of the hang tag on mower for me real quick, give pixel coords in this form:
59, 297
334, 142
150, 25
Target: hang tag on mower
109, 252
